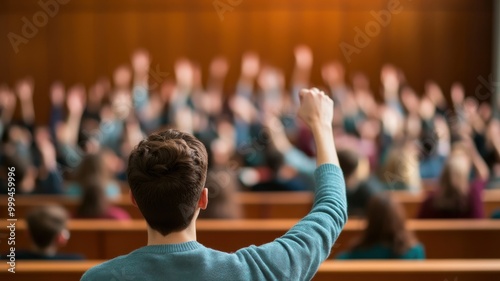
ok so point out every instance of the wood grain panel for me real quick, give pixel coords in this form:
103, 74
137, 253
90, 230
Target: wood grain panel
448, 40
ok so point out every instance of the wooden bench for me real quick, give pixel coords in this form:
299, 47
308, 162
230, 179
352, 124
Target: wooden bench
443, 239
258, 205
440, 270
397, 270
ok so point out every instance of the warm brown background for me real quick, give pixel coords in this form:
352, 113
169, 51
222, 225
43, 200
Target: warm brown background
445, 40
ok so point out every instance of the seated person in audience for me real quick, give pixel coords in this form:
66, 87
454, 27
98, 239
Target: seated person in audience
95, 205
282, 177
385, 235
456, 196
360, 186
49, 180
400, 171
222, 183
24, 175
47, 231
96, 167
222, 191
492, 152
167, 173
434, 139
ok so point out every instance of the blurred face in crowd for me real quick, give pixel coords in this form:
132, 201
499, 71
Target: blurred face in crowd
184, 73
122, 77
250, 65
333, 73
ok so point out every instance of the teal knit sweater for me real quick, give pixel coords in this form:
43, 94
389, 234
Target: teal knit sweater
294, 256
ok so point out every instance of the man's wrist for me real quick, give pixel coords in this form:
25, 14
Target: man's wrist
325, 144
321, 127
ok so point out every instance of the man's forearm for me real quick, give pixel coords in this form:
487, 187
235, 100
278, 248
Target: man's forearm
325, 145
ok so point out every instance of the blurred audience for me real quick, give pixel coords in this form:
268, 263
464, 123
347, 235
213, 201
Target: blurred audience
398, 142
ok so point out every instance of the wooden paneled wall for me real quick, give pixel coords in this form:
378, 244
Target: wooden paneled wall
445, 40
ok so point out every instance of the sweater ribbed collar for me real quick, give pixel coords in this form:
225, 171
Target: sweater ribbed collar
170, 248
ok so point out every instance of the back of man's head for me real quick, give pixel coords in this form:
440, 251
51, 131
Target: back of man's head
166, 173
45, 224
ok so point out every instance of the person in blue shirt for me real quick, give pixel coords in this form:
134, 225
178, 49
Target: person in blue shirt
385, 235
167, 173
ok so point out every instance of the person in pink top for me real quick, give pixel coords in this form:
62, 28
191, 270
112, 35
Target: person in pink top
457, 196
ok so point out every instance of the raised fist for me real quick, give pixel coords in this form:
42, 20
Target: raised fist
270, 79
333, 73
141, 62
457, 93
219, 67
7, 98
184, 73
303, 57
427, 109
76, 99
250, 65
24, 89
57, 93
316, 108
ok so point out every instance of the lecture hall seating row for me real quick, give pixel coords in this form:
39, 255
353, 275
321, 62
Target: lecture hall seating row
256, 205
441, 270
443, 239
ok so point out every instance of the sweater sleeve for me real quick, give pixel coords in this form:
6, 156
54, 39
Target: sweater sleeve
298, 254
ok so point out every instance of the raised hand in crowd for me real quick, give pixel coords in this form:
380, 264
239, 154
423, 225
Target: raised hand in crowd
24, 90
7, 104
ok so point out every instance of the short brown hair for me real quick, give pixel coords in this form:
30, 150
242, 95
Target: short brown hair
166, 173
45, 223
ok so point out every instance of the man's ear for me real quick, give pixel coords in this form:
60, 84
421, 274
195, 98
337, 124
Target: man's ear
62, 238
203, 202
132, 198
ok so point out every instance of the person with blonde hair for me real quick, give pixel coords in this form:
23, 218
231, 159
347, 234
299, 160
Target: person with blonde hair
401, 170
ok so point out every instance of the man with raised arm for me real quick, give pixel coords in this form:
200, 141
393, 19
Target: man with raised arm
167, 172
